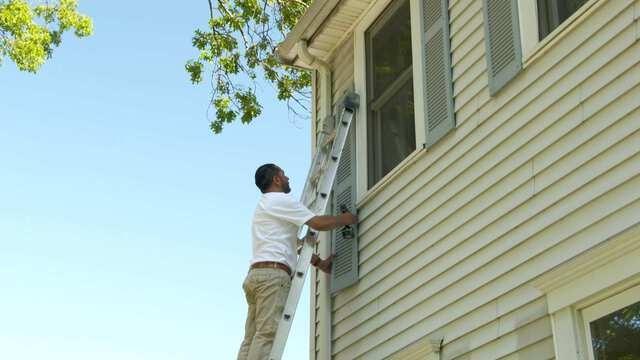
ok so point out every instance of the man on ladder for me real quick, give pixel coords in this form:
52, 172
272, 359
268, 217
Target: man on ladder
276, 221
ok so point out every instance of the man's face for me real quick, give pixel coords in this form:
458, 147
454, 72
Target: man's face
283, 182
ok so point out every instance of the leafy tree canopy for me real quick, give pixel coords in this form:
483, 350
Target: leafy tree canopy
238, 48
30, 31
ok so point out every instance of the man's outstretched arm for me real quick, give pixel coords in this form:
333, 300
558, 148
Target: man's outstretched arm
330, 222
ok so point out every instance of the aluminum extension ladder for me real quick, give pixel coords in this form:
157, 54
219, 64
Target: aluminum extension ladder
315, 196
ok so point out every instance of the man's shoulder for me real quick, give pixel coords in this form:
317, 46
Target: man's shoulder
276, 197
279, 200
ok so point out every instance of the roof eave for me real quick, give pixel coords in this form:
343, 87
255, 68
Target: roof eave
305, 29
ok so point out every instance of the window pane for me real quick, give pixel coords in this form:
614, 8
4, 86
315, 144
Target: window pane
551, 13
617, 335
398, 135
390, 48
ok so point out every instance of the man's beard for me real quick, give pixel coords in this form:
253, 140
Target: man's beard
286, 189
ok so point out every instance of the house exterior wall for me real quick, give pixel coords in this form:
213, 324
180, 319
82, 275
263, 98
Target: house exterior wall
529, 179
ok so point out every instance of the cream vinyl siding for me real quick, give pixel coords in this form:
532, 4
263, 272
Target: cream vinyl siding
342, 70
529, 179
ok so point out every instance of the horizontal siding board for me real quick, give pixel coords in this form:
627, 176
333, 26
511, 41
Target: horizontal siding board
342, 69
464, 47
500, 326
475, 55
457, 7
465, 112
464, 17
458, 328
527, 335
541, 350
469, 28
476, 85
468, 77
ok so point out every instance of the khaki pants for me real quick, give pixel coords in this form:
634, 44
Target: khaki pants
266, 292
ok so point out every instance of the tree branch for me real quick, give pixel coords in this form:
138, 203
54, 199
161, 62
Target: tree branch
210, 9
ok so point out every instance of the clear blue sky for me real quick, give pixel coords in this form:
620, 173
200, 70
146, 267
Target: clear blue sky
124, 223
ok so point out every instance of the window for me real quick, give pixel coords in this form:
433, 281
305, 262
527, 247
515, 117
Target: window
617, 335
551, 13
391, 135
540, 19
402, 71
613, 327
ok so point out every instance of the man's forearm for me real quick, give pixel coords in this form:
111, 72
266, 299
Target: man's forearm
325, 222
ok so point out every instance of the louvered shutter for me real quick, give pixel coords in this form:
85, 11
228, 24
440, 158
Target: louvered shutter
438, 85
345, 262
502, 36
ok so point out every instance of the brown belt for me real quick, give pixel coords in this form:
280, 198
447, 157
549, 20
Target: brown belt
271, 265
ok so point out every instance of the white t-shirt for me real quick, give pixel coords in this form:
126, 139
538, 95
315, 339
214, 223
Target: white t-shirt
275, 228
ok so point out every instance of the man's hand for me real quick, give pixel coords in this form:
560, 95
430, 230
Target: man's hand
323, 265
348, 218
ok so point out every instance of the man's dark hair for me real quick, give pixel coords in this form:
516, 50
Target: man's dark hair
264, 176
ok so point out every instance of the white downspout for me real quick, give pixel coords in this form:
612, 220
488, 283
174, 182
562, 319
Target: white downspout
324, 125
325, 81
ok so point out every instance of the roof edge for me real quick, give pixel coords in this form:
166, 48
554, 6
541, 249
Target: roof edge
305, 29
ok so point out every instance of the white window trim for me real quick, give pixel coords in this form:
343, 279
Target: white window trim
572, 287
359, 76
532, 48
606, 307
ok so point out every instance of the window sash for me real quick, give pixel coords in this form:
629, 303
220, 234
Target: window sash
604, 308
551, 15
377, 104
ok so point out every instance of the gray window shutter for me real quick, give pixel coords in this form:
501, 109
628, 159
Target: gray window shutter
440, 116
502, 36
345, 240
